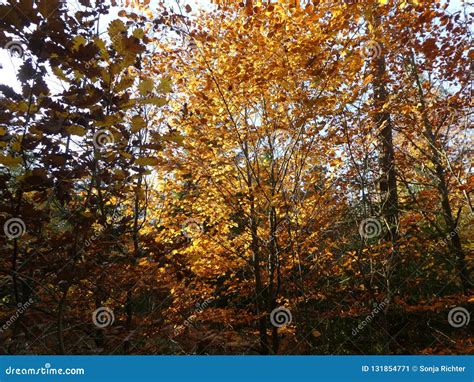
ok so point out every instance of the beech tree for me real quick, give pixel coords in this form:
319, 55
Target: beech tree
241, 178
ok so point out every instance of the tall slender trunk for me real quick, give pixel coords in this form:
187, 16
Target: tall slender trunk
442, 185
136, 254
259, 288
273, 289
388, 179
273, 257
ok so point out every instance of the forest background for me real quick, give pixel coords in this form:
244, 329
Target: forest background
236, 178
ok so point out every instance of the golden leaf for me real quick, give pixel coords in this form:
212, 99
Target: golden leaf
76, 130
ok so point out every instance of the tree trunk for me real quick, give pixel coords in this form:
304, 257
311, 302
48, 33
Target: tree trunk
259, 288
388, 180
451, 224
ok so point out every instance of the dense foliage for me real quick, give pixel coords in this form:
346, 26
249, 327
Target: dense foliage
248, 178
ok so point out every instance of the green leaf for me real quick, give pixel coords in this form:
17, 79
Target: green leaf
157, 101
147, 161
76, 130
10, 161
145, 87
138, 123
165, 85
116, 28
